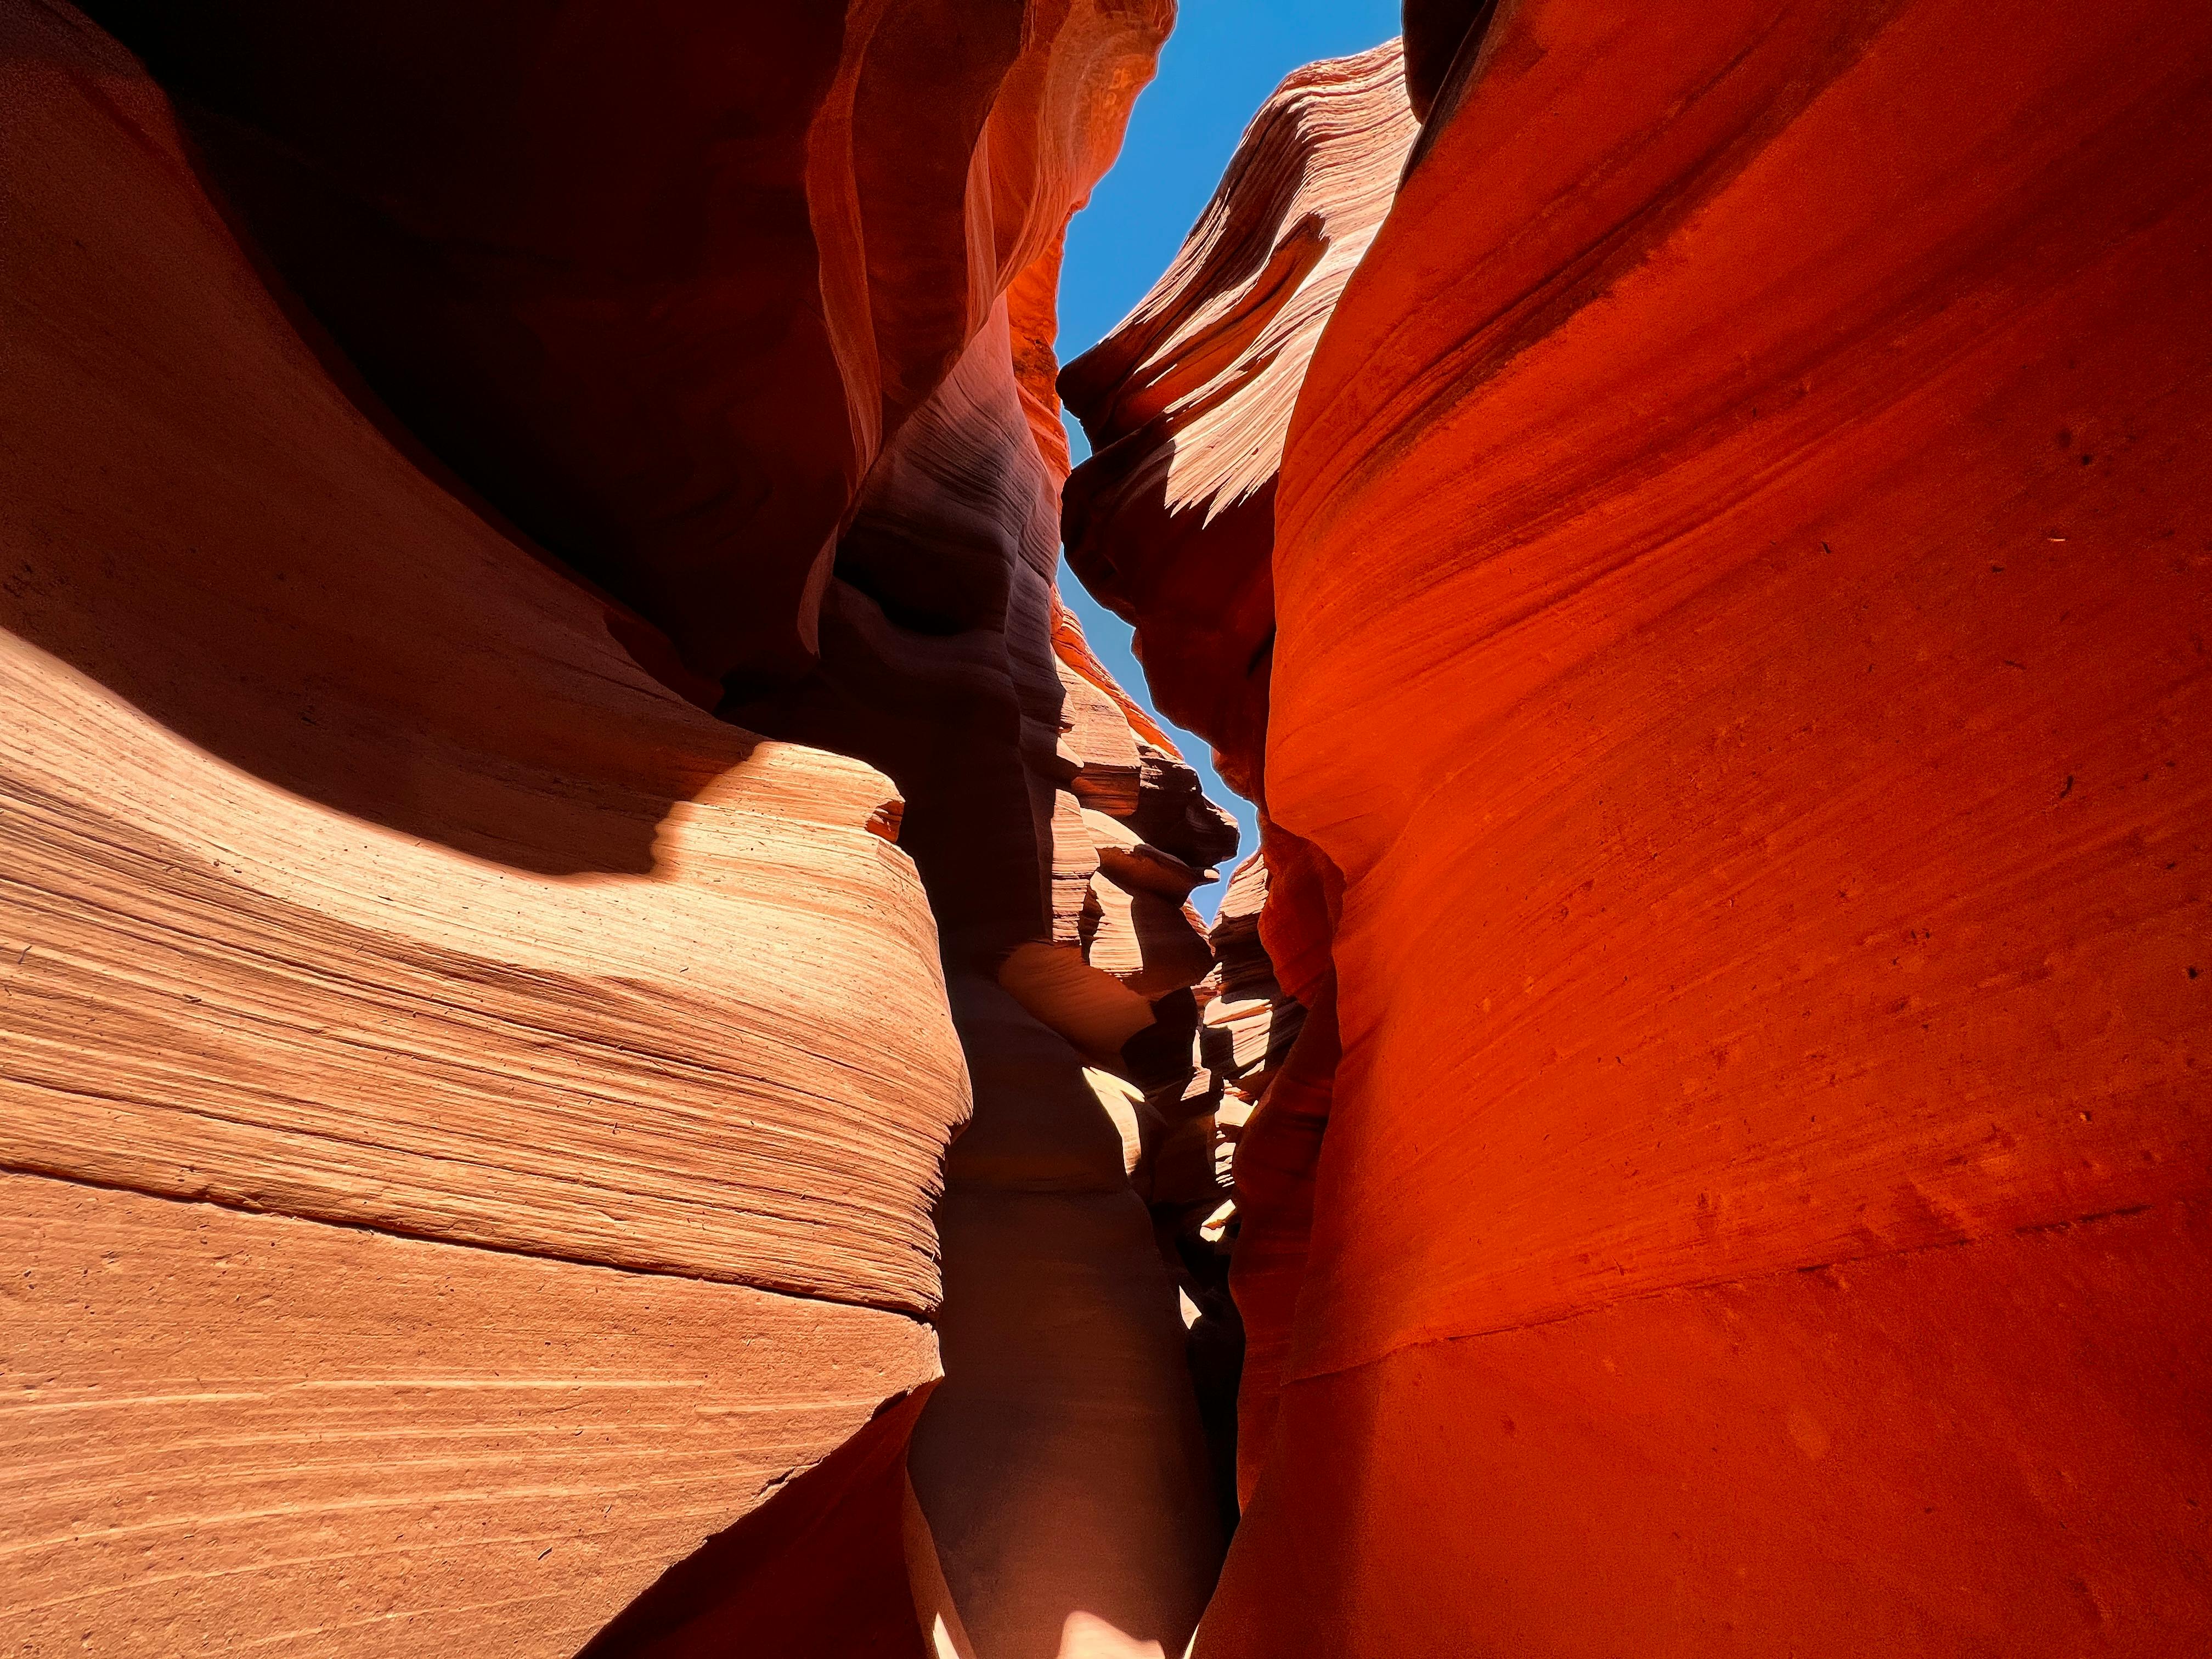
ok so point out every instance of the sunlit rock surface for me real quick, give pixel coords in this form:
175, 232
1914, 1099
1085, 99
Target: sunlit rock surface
1060, 1465
602, 1050
355, 873
1739, 697
1171, 522
388, 388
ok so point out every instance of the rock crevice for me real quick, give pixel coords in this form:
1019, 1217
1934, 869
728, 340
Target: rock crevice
604, 1047
417, 423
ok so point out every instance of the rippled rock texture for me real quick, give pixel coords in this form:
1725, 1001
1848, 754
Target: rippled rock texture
602, 1047
1735, 765
1171, 522
475, 1120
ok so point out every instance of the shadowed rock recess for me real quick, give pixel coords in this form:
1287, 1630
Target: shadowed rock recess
603, 1050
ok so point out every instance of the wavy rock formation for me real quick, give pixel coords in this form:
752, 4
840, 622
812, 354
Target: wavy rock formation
1171, 522
660, 280
355, 874
602, 1046
1061, 1464
364, 865
1737, 770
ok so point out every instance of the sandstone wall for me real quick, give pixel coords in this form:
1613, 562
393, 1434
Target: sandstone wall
355, 874
547, 781
1187, 402
474, 1118
1739, 704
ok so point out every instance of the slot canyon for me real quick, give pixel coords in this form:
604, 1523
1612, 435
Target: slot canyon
611, 1044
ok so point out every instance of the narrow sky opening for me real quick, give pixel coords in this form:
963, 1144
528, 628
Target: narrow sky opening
1222, 61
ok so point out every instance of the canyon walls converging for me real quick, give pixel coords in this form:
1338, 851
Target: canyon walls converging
603, 1050
1736, 727
1171, 522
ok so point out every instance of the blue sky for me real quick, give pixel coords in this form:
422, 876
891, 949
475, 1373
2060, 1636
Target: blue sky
1224, 58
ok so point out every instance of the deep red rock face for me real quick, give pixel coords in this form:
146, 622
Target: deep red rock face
1741, 584
1442, 39
1171, 522
546, 779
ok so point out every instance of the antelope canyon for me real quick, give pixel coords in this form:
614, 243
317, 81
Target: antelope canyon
608, 1044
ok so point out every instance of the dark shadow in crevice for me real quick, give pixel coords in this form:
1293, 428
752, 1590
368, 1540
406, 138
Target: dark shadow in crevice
1442, 39
275, 586
819, 1568
522, 223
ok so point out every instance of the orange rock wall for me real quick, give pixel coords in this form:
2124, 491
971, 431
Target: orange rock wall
356, 874
661, 282
1691, 525
1740, 693
1187, 402
1059, 1465
363, 862
1171, 522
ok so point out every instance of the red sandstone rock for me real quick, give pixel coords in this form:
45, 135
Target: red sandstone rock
662, 280
401, 897
1735, 799
355, 873
1060, 1466
1250, 1021
1442, 40
362, 875
1741, 695
231, 1429
1171, 521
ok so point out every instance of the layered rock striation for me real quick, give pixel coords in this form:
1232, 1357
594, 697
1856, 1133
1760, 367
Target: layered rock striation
1060, 1464
661, 282
424, 1225
1171, 521
475, 1120
1737, 714
603, 1048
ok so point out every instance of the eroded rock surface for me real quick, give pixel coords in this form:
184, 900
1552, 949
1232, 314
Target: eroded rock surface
1735, 764
659, 280
1060, 1465
547, 781
1171, 522
356, 874
365, 864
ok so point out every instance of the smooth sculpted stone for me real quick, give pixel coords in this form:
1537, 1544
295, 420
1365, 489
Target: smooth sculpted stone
1170, 523
1737, 758
354, 867
1060, 1466
253, 1433
660, 279
418, 419
351, 871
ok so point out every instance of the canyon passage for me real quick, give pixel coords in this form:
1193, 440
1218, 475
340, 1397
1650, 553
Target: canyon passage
609, 1047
